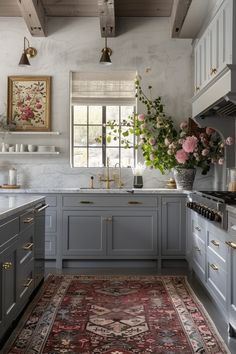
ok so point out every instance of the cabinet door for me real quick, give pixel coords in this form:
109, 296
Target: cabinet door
231, 287
84, 233
132, 233
8, 292
173, 236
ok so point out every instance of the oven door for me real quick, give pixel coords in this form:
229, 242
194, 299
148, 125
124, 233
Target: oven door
39, 242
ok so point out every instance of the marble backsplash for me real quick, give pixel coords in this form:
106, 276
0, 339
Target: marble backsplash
62, 176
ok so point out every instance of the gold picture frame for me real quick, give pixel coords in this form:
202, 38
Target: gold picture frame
29, 103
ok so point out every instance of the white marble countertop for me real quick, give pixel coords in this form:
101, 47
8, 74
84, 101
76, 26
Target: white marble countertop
94, 191
15, 203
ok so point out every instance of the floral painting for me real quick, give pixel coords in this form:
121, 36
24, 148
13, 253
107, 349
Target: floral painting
29, 102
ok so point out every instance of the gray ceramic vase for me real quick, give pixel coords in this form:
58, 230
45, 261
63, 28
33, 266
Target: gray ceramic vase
184, 177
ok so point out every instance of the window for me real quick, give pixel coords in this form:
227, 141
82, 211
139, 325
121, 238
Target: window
97, 99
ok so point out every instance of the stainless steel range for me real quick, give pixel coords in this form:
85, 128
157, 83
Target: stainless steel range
212, 205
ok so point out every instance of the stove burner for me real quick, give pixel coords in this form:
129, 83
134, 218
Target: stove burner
226, 196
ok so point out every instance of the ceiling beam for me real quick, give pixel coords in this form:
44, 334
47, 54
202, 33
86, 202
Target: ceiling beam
106, 11
33, 13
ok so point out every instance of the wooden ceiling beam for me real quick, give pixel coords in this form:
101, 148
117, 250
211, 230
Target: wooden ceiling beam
106, 11
33, 13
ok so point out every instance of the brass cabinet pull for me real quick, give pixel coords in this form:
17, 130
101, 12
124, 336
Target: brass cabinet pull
85, 202
197, 88
30, 280
109, 219
134, 202
213, 266
197, 248
215, 243
7, 265
197, 228
28, 220
213, 71
28, 246
231, 244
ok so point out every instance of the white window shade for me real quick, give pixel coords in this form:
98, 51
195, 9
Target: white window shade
103, 88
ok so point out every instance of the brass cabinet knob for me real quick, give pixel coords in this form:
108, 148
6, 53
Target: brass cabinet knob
134, 202
7, 265
28, 220
109, 219
213, 71
86, 202
215, 243
28, 246
197, 88
213, 266
231, 244
197, 249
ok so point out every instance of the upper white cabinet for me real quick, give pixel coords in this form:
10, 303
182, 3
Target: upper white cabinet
214, 49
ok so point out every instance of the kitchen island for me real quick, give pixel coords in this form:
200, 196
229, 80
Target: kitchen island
22, 231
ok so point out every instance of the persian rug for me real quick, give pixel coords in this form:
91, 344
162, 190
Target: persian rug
116, 315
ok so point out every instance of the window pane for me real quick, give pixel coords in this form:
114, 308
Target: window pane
112, 137
125, 112
95, 132
80, 157
127, 157
80, 135
112, 113
95, 157
113, 154
95, 115
80, 114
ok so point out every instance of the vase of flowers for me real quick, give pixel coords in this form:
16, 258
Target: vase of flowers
184, 177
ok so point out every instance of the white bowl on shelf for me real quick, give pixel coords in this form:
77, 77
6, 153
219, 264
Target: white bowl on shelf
46, 148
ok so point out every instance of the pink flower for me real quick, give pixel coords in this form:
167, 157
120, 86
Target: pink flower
167, 142
141, 117
221, 161
152, 157
229, 141
38, 105
152, 141
183, 125
181, 156
210, 131
205, 152
190, 143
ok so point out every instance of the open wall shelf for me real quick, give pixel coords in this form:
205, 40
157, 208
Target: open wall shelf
29, 133
31, 153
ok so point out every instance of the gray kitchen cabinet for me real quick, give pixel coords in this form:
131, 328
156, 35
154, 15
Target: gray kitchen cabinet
231, 273
173, 226
8, 280
51, 227
84, 233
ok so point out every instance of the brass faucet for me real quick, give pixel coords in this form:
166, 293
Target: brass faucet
107, 179
120, 183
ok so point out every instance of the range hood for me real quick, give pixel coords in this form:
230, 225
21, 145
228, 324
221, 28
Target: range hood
218, 97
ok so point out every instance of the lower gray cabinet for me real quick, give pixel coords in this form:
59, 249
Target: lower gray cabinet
101, 233
8, 289
173, 229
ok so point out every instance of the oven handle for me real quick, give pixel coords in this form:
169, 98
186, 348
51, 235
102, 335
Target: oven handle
38, 210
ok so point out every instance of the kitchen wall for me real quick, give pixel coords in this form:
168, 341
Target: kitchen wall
74, 44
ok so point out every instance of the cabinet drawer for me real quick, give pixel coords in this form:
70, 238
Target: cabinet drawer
26, 220
8, 230
216, 244
199, 256
108, 201
51, 200
25, 284
198, 228
216, 277
26, 246
232, 224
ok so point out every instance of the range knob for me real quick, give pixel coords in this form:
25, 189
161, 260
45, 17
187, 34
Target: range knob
217, 217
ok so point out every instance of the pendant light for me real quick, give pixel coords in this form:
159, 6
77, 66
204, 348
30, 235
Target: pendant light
106, 54
28, 52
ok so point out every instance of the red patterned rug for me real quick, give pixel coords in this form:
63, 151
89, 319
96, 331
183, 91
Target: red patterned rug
117, 315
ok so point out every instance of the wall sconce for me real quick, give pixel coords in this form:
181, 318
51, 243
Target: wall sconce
29, 52
106, 54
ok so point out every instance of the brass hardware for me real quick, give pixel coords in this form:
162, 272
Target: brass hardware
231, 244
197, 88
197, 228
197, 248
213, 71
214, 267
108, 219
134, 202
28, 220
27, 52
26, 285
215, 243
7, 265
107, 179
85, 202
28, 246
